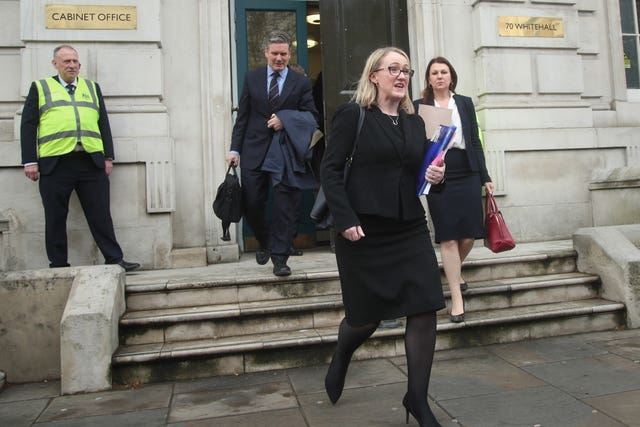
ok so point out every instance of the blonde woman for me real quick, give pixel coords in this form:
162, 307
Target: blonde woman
387, 265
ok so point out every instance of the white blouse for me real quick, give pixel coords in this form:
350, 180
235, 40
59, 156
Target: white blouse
458, 138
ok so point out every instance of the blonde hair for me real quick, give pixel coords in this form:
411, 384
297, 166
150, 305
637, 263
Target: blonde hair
366, 92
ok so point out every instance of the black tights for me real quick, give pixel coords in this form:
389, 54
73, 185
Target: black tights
350, 338
419, 344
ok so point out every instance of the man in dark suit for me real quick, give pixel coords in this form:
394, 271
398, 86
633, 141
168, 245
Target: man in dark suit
266, 91
66, 143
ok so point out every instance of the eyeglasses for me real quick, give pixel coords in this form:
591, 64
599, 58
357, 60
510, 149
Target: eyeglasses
395, 71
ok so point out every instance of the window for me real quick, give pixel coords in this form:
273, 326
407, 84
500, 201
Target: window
631, 41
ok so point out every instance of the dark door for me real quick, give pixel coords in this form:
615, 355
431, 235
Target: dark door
351, 30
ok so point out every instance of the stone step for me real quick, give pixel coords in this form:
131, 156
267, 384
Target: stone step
293, 348
225, 290
231, 319
155, 292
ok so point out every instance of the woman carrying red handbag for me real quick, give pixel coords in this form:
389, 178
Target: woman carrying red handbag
456, 210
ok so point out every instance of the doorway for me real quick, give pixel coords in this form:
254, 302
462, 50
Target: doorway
301, 20
332, 40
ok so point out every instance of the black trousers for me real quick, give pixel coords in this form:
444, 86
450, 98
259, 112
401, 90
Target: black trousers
78, 172
277, 235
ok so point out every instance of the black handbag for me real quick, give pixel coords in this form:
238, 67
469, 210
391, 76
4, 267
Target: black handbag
320, 213
228, 203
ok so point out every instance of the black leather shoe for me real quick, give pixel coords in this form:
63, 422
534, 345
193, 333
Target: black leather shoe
262, 256
295, 252
128, 266
456, 318
281, 270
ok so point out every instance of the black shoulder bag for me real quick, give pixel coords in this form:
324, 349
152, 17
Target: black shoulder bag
320, 211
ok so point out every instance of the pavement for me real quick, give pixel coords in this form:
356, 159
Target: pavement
586, 380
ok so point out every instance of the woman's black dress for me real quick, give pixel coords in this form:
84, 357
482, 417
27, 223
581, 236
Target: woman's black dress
393, 271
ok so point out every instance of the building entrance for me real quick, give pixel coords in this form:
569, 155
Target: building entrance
332, 39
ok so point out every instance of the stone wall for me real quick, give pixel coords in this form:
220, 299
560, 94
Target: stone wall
552, 110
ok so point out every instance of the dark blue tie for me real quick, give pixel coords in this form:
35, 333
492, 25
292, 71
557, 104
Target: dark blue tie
71, 89
273, 90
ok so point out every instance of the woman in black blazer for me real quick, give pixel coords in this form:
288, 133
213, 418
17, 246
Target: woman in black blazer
456, 211
387, 265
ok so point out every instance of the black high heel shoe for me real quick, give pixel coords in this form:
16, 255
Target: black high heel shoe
430, 420
334, 380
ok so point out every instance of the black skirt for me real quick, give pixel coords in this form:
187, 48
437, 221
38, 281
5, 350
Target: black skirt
391, 272
456, 211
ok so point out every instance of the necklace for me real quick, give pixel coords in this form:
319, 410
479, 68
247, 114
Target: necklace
395, 122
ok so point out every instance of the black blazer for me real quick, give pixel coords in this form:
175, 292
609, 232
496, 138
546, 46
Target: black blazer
251, 136
471, 136
29, 133
383, 175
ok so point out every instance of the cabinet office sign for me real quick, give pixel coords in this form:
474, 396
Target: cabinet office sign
77, 17
530, 26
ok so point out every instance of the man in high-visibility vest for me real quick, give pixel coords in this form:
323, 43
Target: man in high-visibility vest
66, 143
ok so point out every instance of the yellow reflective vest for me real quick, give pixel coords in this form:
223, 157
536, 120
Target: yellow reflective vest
67, 119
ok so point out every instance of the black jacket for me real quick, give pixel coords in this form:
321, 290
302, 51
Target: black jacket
383, 176
475, 154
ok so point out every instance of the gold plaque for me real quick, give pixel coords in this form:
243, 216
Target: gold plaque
77, 17
530, 26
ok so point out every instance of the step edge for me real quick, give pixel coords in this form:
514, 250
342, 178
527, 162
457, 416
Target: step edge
321, 337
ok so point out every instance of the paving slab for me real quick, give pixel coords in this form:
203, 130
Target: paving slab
21, 413
27, 391
543, 406
367, 373
148, 418
211, 404
229, 381
476, 376
554, 349
107, 403
279, 418
628, 348
591, 376
358, 407
621, 406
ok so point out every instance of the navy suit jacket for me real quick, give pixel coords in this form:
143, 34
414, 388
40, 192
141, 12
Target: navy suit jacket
29, 133
251, 136
475, 155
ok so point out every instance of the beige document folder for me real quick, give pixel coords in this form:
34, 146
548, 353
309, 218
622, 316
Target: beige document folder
434, 117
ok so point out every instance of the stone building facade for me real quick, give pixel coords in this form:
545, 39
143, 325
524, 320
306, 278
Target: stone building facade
560, 112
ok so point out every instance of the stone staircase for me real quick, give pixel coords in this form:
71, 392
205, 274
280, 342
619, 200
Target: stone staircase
234, 319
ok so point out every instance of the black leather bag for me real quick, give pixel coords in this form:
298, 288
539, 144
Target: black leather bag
228, 203
320, 213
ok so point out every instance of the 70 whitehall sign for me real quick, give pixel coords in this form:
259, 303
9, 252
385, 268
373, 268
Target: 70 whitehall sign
76, 17
529, 26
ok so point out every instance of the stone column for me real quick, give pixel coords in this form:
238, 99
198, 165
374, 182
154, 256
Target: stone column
216, 74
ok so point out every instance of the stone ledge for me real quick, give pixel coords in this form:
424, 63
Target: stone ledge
613, 253
89, 328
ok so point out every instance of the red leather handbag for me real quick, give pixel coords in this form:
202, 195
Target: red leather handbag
497, 236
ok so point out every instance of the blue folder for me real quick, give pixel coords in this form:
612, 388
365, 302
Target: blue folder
439, 143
